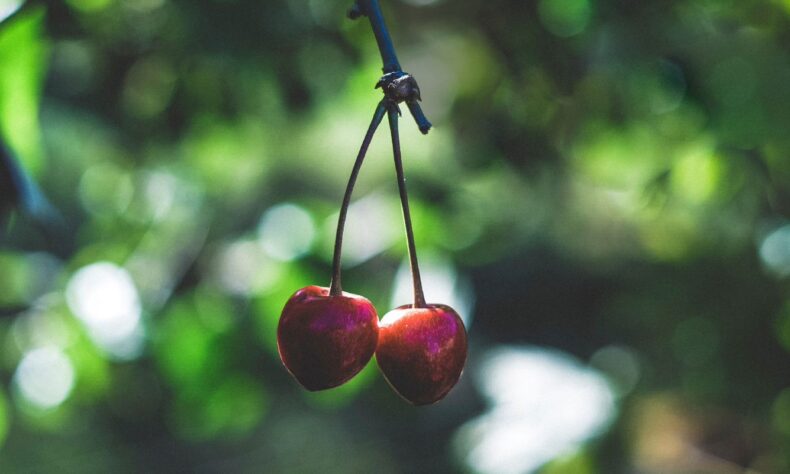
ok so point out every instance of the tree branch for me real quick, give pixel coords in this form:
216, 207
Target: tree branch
392, 69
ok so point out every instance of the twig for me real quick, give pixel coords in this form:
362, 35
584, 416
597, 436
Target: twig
392, 69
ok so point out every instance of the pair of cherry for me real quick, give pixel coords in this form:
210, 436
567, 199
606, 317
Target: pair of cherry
325, 340
326, 336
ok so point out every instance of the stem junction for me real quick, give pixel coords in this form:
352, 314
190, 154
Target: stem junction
372, 10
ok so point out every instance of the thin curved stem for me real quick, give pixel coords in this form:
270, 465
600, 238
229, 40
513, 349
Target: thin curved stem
335, 288
419, 295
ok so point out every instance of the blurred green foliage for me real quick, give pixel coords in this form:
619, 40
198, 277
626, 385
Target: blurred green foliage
606, 178
23, 61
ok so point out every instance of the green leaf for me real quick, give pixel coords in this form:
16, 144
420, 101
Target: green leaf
24, 52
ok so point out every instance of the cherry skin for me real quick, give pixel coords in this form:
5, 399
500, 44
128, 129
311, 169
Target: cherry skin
422, 351
326, 340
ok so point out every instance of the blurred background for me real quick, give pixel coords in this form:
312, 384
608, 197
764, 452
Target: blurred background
605, 198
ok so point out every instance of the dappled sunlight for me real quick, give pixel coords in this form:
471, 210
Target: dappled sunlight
372, 227
8, 7
104, 297
543, 404
160, 189
286, 231
775, 251
45, 377
244, 268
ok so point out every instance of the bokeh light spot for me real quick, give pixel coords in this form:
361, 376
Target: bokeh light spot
45, 377
697, 174
621, 366
371, 228
106, 189
8, 7
243, 268
160, 193
775, 251
565, 18
286, 231
149, 87
544, 405
104, 297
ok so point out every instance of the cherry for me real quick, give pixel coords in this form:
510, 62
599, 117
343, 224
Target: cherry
422, 351
422, 347
326, 336
325, 340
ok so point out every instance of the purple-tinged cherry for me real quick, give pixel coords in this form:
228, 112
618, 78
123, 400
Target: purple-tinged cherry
325, 340
422, 347
422, 351
326, 336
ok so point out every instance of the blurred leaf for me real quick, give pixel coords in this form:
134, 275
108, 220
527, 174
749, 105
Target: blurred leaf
24, 52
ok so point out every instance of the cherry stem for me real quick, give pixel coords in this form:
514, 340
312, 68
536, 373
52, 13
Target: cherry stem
335, 288
419, 296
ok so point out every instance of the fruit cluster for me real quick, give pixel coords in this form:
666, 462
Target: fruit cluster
326, 336
325, 340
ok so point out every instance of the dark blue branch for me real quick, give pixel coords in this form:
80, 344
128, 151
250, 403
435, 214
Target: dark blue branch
392, 68
416, 112
372, 10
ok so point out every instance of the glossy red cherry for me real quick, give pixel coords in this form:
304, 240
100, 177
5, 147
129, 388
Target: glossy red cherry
422, 351
326, 340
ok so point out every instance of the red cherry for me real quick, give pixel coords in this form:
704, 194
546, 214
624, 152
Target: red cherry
422, 351
326, 340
